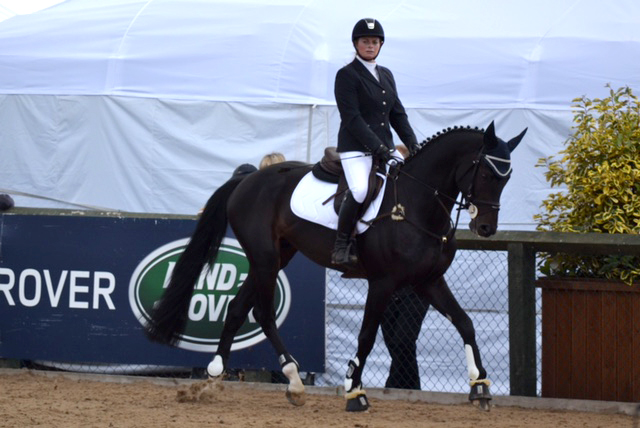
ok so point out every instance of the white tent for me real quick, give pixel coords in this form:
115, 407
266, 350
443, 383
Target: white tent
148, 105
9, 8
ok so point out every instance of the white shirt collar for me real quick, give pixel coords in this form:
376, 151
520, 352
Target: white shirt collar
371, 66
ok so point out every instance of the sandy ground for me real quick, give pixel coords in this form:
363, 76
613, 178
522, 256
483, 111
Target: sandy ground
33, 400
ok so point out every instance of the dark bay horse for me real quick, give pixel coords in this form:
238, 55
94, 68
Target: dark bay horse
411, 242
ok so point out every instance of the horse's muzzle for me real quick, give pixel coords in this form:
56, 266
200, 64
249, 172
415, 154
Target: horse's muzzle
483, 229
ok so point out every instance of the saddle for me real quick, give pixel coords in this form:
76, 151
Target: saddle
329, 169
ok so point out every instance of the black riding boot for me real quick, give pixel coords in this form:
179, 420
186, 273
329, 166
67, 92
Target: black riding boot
344, 253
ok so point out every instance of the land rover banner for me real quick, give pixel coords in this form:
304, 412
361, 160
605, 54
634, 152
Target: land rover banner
78, 289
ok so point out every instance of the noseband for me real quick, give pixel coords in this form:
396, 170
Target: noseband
469, 202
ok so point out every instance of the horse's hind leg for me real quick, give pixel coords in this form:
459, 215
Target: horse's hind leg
440, 296
258, 291
237, 313
265, 315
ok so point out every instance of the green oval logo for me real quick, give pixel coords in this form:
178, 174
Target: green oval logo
215, 288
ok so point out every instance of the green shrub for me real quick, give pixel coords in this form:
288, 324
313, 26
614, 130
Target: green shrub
599, 173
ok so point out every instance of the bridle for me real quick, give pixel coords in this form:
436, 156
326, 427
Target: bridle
467, 200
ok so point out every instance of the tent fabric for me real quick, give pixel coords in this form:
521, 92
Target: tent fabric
149, 105
461, 53
9, 8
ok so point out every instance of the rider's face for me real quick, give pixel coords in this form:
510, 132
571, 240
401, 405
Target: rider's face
368, 47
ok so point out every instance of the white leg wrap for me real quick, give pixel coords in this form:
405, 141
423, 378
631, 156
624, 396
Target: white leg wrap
290, 370
348, 382
471, 363
215, 367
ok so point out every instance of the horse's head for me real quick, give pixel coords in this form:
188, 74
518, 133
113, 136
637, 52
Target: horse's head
489, 174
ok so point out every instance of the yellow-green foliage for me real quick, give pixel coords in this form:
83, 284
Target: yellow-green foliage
599, 173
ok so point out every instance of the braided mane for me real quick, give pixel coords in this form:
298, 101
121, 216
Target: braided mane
427, 141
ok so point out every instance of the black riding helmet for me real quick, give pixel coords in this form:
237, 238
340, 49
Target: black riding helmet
367, 27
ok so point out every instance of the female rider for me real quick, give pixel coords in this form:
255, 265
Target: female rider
369, 106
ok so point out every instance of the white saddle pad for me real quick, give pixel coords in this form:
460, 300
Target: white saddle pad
308, 196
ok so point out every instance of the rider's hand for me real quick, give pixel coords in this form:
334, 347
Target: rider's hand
383, 153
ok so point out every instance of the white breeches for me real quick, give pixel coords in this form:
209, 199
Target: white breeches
357, 167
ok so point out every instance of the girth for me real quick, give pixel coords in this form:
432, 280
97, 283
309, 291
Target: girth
329, 169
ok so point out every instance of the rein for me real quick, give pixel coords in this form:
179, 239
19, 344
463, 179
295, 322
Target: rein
398, 212
466, 201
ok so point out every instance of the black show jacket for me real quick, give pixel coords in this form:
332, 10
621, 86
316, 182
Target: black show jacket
368, 108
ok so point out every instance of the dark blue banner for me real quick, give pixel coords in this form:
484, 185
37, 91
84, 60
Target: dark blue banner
78, 289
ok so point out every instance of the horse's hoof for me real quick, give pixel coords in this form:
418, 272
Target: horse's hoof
296, 398
480, 394
357, 402
216, 367
482, 404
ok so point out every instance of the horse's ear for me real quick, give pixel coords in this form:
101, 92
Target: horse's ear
490, 140
513, 143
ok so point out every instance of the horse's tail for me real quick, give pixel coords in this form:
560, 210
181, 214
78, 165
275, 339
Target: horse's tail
169, 315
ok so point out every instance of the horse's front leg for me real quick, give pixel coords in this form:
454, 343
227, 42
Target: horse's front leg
442, 299
380, 292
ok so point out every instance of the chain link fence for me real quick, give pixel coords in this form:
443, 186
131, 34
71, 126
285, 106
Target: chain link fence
478, 280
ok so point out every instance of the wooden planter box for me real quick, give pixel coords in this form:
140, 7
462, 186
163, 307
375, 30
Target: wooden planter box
590, 339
